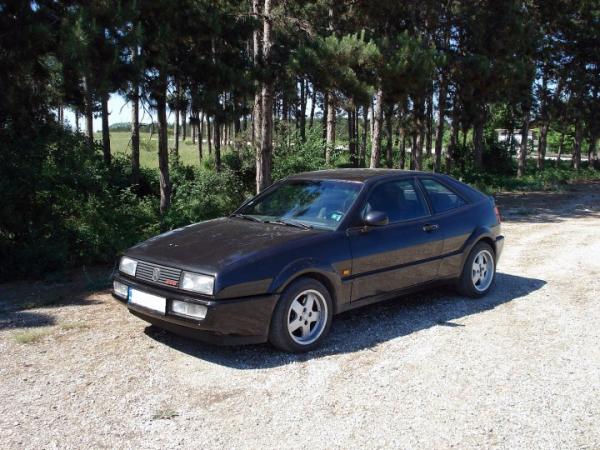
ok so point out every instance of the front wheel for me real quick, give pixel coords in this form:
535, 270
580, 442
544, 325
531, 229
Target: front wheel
478, 272
302, 317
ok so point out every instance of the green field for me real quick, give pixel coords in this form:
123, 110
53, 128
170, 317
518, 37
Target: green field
120, 144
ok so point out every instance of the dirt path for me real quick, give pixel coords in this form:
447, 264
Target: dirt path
518, 369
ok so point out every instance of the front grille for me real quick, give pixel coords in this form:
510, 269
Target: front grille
167, 276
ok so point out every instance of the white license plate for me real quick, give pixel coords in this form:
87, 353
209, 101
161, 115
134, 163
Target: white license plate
153, 302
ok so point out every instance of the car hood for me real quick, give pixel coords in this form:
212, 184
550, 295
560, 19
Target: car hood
208, 247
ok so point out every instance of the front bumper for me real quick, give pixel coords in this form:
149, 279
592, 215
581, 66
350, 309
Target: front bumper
229, 322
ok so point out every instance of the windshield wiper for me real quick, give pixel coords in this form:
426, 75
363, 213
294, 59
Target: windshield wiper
291, 223
246, 217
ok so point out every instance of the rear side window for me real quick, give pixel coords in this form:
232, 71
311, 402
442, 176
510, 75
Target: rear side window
400, 200
442, 199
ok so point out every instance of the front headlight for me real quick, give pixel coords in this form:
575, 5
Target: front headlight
128, 266
195, 282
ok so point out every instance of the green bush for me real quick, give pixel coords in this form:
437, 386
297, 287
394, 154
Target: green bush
68, 208
293, 156
205, 195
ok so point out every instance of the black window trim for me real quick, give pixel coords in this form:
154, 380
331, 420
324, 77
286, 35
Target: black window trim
466, 201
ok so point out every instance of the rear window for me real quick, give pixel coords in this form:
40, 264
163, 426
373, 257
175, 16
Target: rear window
442, 198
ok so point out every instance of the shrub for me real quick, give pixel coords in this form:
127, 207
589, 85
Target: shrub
293, 156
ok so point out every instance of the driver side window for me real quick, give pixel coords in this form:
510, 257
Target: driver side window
399, 199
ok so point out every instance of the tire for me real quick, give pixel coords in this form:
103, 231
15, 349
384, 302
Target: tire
293, 328
477, 278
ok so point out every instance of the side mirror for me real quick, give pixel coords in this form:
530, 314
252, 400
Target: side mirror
376, 219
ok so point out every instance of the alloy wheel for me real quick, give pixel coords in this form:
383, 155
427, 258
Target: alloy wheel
307, 317
482, 271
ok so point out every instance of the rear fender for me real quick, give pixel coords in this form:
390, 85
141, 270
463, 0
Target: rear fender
480, 233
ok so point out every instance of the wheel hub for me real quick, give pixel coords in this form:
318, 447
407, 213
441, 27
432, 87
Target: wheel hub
307, 317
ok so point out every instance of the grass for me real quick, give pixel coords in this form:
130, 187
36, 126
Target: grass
29, 336
550, 179
68, 326
120, 144
164, 413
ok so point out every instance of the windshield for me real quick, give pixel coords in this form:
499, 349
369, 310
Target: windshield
319, 204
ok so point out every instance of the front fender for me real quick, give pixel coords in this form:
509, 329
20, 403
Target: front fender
308, 267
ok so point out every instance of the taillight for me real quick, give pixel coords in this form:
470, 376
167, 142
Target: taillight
498, 217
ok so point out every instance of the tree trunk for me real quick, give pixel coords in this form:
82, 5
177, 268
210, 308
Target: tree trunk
418, 135
183, 124
217, 133
403, 150
176, 131
542, 145
429, 125
376, 137
135, 135
561, 143
351, 138
356, 128
451, 153
284, 107
209, 134
325, 116
522, 159
194, 128
372, 116
388, 129
593, 152
163, 148
200, 132
363, 145
439, 136
77, 117
313, 102
263, 169
88, 111
542, 140
303, 109
577, 144
257, 108
478, 139
413, 147
330, 143
105, 131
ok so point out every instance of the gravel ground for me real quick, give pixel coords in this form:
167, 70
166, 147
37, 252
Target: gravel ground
518, 369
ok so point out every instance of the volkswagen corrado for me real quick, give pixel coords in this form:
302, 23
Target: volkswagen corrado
309, 247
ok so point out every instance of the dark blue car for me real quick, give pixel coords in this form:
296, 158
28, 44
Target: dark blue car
309, 247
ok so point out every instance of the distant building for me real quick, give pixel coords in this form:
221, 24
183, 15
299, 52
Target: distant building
504, 135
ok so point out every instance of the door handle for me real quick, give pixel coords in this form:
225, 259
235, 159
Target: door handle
430, 227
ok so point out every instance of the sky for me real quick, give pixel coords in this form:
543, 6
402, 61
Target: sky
119, 111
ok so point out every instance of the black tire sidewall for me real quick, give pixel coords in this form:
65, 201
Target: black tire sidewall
278, 332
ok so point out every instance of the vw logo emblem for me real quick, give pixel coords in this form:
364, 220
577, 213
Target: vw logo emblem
155, 274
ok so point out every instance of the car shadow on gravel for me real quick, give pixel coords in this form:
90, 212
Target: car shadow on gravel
25, 319
18, 312
364, 328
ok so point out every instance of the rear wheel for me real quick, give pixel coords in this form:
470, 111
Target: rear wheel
302, 317
478, 272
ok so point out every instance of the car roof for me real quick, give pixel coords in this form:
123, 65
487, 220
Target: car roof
360, 175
